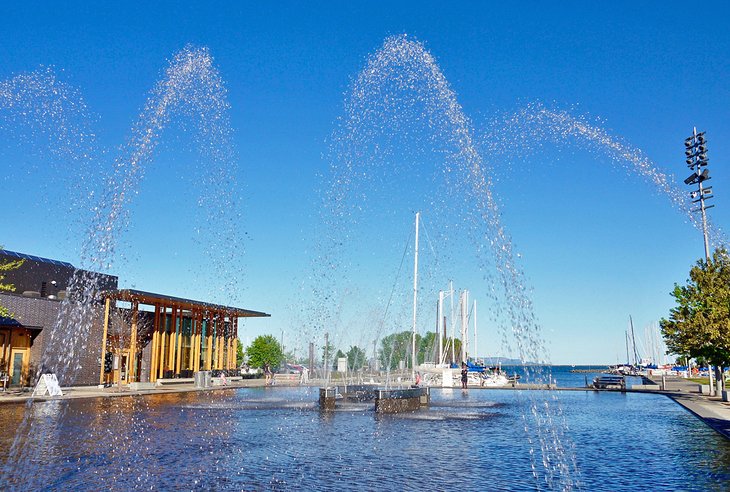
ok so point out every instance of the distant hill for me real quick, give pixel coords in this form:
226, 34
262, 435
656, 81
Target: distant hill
493, 361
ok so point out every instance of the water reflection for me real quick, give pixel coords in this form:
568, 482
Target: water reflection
254, 439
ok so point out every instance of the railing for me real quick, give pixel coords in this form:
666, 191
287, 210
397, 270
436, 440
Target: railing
287, 378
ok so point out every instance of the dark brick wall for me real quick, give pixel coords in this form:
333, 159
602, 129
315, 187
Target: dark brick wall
91, 351
31, 312
42, 313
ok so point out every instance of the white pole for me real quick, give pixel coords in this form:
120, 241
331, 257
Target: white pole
462, 305
476, 352
415, 298
438, 326
453, 321
707, 251
467, 351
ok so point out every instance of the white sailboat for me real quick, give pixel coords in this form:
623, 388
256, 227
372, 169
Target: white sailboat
441, 373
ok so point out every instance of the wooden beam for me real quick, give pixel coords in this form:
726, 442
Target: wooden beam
227, 346
173, 328
200, 341
179, 341
152, 299
196, 341
228, 349
220, 334
163, 340
235, 342
232, 363
231, 357
103, 339
221, 342
192, 342
155, 342
209, 343
214, 346
132, 369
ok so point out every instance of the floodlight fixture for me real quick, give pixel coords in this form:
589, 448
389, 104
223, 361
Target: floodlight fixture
696, 153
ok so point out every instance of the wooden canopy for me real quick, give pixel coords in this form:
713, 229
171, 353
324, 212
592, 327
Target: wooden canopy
187, 335
142, 297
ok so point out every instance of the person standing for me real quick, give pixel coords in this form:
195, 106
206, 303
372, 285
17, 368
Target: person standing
464, 375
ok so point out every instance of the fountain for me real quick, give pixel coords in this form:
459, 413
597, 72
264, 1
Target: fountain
50, 118
278, 439
192, 89
402, 88
536, 123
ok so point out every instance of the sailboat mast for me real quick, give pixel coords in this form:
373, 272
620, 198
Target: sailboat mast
453, 322
463, 302
475, 352
438, 326
633, 340
415, 298
446, 348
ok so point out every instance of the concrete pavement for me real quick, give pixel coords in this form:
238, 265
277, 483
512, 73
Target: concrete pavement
16, 395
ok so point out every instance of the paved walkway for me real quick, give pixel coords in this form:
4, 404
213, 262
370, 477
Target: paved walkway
15, 395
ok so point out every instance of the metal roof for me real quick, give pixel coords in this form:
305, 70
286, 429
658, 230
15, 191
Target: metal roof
161, 299
23, 256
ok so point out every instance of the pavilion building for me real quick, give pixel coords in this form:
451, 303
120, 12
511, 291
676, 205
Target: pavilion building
135, 336
150, 337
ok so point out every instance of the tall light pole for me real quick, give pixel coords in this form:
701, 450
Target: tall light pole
696, 153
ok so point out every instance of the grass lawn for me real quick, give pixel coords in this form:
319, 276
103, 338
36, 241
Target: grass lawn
703, 380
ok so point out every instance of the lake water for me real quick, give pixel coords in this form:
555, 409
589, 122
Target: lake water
277, 439
565, 376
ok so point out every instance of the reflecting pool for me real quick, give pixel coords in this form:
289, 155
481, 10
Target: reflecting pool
277, 439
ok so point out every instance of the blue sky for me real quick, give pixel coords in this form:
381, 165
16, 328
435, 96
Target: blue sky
596, 243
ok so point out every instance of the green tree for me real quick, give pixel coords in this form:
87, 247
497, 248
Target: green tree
327, 351
265, 349
7, 266
699, 325
355, 358
396, 347
427, 348
239, 353
456, 342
